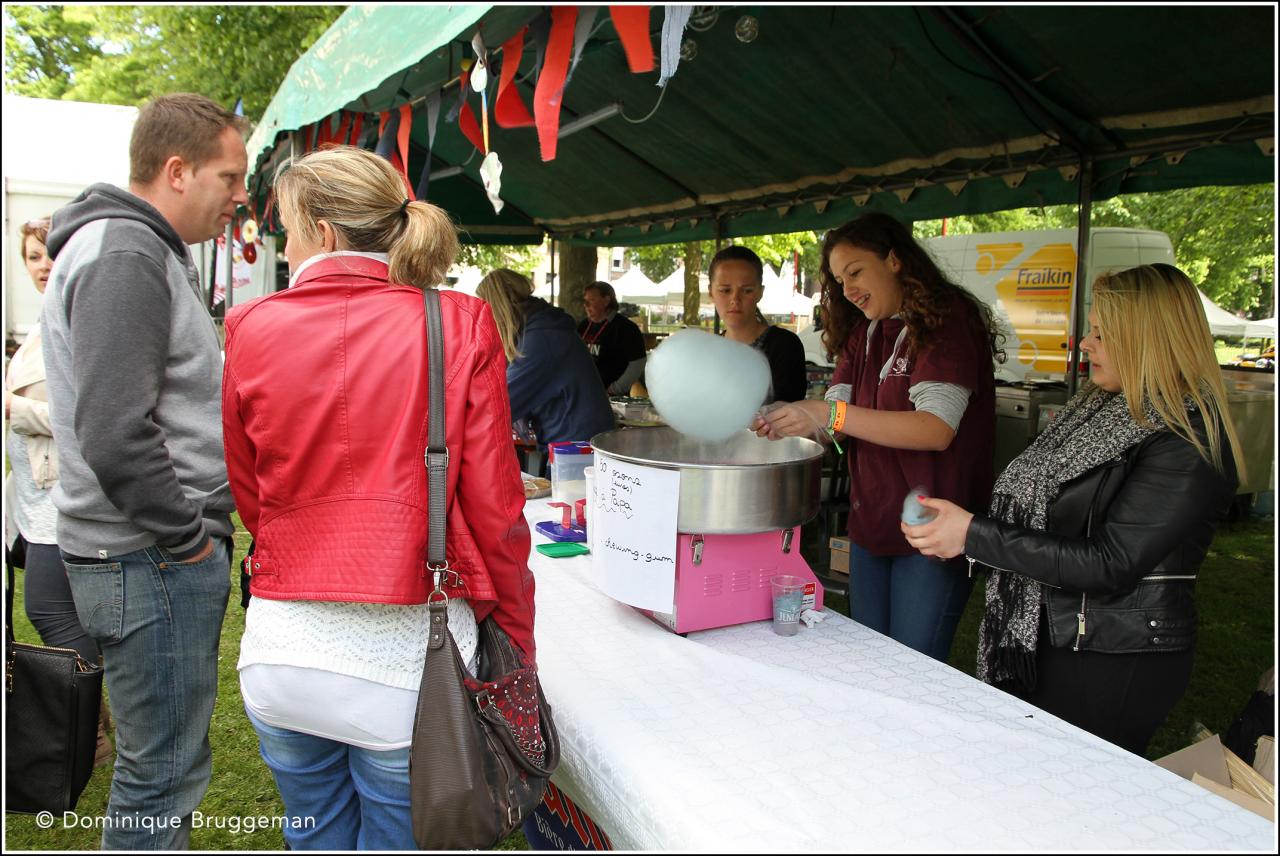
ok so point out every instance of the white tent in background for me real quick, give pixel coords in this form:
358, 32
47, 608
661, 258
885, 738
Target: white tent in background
543, 289
468, 279
673, 286
1222, 322
1263, 329
634, 287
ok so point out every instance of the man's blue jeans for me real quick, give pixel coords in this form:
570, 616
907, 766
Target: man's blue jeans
338, 796
914, 599
158, 622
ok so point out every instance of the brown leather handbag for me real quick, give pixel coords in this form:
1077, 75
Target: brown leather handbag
485, 746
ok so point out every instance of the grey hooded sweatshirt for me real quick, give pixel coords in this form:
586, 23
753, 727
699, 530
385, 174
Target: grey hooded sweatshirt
135, 383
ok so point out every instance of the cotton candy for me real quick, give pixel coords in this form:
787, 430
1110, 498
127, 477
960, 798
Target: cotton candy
706, 386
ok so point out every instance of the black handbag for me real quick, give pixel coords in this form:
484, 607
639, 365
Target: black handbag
53, 698
483, 747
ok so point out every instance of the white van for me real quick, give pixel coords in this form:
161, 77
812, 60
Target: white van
1028, 279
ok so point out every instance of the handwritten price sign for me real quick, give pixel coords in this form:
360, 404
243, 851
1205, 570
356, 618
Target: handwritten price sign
635, 533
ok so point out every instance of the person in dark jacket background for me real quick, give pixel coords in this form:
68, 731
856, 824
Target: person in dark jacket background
551, 380
1096, 532
613, 340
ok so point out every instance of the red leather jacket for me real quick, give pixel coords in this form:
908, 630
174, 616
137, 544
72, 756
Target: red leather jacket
324, 411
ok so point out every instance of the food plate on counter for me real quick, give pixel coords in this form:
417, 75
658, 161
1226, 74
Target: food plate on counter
534, 487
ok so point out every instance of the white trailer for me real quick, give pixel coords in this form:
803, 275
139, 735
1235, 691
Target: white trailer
53, 150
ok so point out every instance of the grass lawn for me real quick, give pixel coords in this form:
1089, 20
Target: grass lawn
241, 787
1235, 594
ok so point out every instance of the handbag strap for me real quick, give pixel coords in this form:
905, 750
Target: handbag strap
436, 459
437, 454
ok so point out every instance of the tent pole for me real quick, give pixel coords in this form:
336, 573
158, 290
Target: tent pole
230, 265
1085, 213
719, 244
553, 272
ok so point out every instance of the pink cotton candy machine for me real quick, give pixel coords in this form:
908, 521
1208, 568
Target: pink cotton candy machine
742, 502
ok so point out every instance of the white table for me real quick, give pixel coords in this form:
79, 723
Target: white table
839, 738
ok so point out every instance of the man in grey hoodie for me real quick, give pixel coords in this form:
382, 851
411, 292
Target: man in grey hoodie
144, 524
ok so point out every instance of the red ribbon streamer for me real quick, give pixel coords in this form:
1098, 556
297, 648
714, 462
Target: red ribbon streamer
467, 119
356, 127
343, 127
550, 88
632, 24
400, 158
508, 109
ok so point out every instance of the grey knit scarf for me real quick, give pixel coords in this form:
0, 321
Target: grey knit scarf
1093, 428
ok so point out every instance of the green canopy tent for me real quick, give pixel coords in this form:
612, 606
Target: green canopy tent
921, 112
787, 118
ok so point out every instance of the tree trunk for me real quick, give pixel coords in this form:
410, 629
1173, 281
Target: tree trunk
692, 289
577, 270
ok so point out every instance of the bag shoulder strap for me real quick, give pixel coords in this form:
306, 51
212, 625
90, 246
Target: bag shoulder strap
437, 454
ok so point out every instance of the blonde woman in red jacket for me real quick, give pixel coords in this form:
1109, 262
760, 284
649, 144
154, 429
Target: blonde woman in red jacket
325, 423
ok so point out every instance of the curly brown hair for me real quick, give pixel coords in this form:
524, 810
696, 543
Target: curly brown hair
926, 293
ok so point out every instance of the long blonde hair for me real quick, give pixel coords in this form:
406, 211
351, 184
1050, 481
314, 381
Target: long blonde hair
363, 199
504, 290
1156, 332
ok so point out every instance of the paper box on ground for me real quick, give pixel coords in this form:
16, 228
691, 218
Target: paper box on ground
1264, 759
1217, 769
840, 555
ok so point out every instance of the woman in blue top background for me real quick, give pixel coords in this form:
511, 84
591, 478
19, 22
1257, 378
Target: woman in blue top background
551, 379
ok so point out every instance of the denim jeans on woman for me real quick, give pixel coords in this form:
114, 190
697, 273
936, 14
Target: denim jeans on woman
158, 623
338, 796
913, 599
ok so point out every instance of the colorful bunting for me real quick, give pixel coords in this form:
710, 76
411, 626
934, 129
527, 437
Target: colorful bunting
400, 160
508, 108
550, 88
632, 24
672, 35
581, 32
466, 118
433, 116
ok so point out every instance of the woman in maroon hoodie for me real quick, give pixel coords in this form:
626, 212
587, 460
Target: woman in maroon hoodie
325, 423
914, 393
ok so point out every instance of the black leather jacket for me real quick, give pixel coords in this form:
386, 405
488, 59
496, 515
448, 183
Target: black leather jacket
1123, 545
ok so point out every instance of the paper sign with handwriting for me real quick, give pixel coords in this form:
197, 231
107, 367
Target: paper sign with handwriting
634, 533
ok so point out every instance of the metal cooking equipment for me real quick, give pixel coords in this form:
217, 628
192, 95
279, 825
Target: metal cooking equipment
1017, 417
740, 485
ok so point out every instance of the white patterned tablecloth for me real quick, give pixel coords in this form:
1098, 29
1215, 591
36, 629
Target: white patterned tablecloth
737, 739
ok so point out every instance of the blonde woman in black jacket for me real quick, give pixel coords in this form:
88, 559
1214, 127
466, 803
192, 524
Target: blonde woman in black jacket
1095, 533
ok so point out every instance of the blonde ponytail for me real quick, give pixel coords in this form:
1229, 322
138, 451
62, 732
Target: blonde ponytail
363, 198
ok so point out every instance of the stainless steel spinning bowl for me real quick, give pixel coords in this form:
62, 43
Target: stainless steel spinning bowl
740, 485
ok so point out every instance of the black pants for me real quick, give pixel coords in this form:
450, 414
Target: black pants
1122, 698
46, 596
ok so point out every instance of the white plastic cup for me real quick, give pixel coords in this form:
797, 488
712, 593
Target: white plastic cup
788, 602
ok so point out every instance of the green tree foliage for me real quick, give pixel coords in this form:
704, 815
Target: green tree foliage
659, 261
127, 54
486, 257
43, 46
